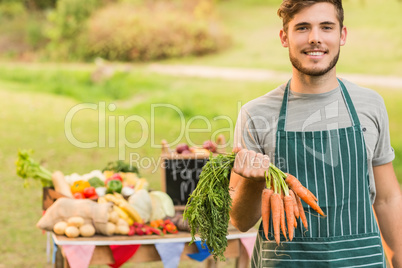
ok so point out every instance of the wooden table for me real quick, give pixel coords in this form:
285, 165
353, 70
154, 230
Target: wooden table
147, 251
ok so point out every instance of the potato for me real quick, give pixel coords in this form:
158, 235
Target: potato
87, 230
113, 217
121, 222
75, 221
72, 232
110, 228
60, 227
122, 229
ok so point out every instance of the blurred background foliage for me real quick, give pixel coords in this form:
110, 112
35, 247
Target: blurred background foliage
124, 30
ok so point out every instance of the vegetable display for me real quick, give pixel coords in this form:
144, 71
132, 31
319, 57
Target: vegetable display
208, 207
112, 200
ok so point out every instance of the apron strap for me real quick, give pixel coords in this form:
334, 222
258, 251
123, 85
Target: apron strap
346, 97
349, 104
283, 111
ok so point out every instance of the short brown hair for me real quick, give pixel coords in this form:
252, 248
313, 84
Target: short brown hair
289, 8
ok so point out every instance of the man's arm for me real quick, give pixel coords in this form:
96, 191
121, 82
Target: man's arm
246, 183
388, 209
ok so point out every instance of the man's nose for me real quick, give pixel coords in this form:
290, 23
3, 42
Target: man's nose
314, 36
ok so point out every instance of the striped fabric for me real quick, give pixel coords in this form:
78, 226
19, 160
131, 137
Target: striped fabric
363, 250
332, 165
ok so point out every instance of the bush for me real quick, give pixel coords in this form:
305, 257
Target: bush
10, 10
21, 32
155, 30
67, 23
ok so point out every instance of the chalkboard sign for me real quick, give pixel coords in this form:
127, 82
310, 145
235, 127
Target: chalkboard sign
180, 175
181, 172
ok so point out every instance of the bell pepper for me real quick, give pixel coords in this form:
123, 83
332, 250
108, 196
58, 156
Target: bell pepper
114, 186
108, 173
79, 186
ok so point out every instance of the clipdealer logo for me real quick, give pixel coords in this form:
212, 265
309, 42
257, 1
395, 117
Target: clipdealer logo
328, 152
112, 128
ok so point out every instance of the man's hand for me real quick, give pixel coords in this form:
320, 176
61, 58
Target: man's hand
251, 165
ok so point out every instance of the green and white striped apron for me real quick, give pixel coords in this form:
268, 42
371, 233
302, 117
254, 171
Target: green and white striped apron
332, 164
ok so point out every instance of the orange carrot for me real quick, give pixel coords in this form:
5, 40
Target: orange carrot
295, 208
276, 215
294, 181
290, 216
301, 212
303, 193
266, 209
282, 219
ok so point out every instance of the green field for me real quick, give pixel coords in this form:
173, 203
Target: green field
38, 102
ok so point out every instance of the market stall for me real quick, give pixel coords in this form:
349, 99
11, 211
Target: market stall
100, 250
111, 216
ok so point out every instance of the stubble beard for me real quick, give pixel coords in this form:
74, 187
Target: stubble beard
312, 71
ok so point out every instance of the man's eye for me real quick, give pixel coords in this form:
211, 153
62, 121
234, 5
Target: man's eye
301, 28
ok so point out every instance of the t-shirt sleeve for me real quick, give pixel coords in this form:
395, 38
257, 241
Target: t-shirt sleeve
383, 151
245, 134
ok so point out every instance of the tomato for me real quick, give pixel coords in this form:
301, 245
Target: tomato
89, 192
116, 176
79, 195
94, 197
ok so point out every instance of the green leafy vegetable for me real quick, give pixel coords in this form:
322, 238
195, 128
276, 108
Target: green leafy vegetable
96, 182
121, 166
208, 206
28, 168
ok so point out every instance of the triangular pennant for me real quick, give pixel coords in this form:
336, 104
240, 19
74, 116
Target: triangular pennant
122, 253
78, 256
248, 243
202, 254
170, 253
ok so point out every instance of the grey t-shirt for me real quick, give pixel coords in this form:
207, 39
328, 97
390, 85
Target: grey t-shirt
257, 121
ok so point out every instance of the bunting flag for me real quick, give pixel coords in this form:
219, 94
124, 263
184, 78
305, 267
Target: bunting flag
78, 256
170, 253
202, 254
122, 253
248, 243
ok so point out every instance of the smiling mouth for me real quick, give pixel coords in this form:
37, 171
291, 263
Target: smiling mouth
315, 53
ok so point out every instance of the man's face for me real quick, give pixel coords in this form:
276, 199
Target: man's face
314, 38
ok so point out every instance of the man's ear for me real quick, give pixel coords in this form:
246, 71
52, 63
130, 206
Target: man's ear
284, 38
344, 33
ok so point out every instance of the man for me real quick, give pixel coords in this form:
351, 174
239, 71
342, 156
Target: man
333, 136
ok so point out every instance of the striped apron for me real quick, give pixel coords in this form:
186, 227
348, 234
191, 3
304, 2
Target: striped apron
332, 164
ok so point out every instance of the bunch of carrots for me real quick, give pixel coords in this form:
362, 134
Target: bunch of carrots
207, 209
282, 197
